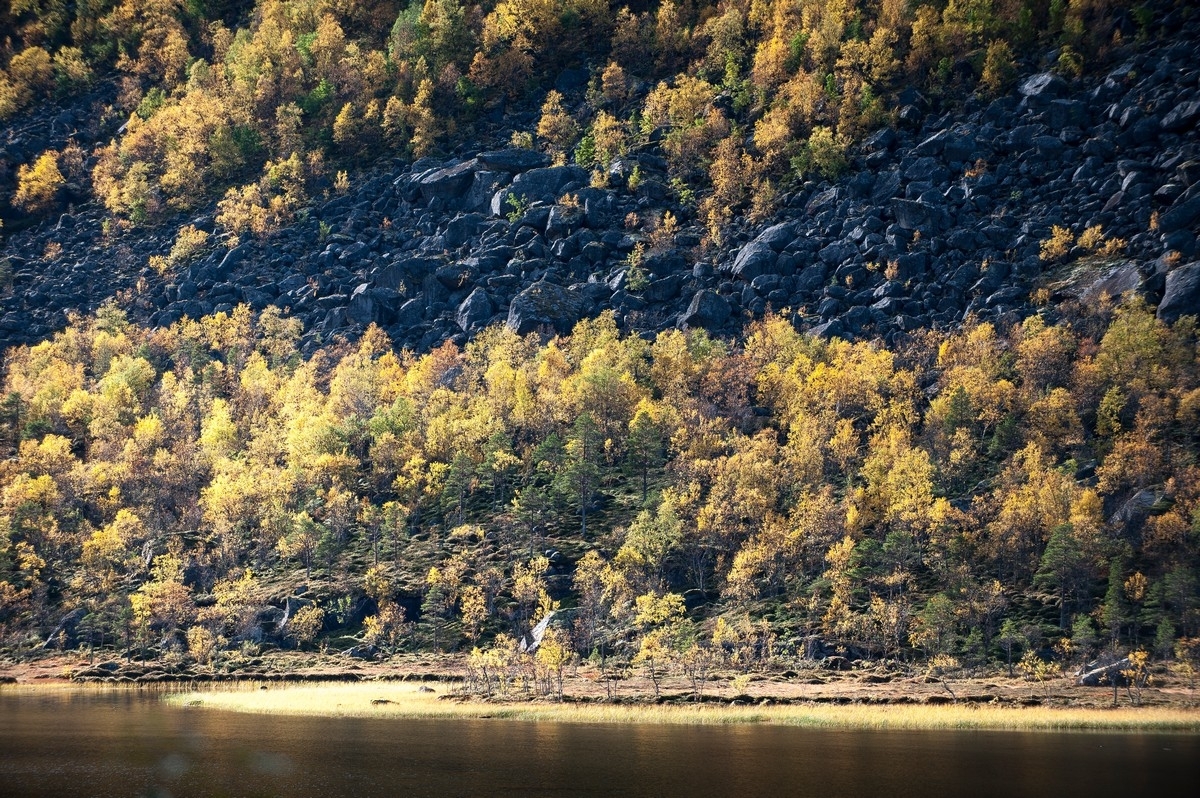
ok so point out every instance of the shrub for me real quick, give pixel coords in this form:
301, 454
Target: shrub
31, 71
189, 242
825, 153
1058, 244
636, 277
519, 205
306, 624
1091, 238
556, 126
999, 69
10, 96
201, 643
37, 185
269, 204
71, 71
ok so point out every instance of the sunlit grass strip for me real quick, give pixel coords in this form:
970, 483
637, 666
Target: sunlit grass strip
404, 701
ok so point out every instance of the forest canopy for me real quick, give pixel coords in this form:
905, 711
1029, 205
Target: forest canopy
977, 494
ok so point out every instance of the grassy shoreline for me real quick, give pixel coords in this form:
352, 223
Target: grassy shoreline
406, 701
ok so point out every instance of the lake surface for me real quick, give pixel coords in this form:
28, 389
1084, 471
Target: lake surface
117, 743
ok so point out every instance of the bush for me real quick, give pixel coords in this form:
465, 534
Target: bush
265, 206
37, 185
999, 69
32, 69
1058, 244
825, 153
556, 127
306, 624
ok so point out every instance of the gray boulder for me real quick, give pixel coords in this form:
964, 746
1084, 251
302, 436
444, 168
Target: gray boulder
1113, 283
837, 253
1095, 674
411, 313
512, 161
777, 236
1182, 215
544, 305
707, 309
478, 198
918, 215
1045, 86
475, 311
1131, 515
547, 183
362, 307
1182, 294
448, 183
756, 258
1182, 117
462, 229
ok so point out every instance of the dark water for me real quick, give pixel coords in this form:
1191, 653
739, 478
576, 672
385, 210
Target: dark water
129, 744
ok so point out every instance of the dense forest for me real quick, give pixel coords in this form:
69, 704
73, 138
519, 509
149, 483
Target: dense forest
978, 495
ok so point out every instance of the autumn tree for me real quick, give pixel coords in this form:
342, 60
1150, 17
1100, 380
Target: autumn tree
38, 185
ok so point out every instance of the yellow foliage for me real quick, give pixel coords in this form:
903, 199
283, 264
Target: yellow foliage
1058, 244
556, 127
38, 185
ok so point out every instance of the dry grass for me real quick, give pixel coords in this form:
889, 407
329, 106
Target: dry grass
404, 701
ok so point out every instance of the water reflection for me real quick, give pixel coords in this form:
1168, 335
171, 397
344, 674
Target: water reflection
125, 743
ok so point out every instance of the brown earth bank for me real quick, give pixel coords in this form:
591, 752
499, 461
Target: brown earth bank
808, 682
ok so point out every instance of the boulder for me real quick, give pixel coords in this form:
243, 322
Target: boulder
475, 311
821, 201
887, 185
663, 290
1182, 294
541, 305
394, 274
233, 258
881, 140
411, 313
911, 265
1067, 113
837, 253
756, 258
461, 230
919, 215
449, 183
1044, 86
456, 276
1182, 117
1134, 512
561, 221
513, 160
478, 198
1182, 215
777, 236
707, 309
546, 183
66, 626
1113, 283
1095, 674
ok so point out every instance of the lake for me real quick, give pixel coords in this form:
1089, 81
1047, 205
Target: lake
128, 743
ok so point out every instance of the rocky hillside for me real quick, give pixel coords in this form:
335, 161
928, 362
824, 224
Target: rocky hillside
859, 335
945, 215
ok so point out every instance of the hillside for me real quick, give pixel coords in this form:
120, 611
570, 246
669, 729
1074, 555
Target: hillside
737, 336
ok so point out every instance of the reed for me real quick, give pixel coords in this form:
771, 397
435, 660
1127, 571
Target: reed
405, 701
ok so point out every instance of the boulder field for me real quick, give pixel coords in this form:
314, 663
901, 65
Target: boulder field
931, 223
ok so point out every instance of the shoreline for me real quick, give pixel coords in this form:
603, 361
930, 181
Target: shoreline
425, 686
407, 701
